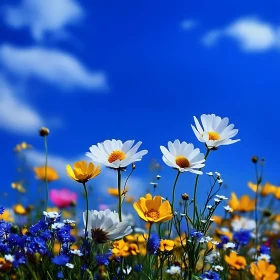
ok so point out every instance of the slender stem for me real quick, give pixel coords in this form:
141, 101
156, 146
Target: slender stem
85, 188
256, 205
195, 189
46, 171
120, 193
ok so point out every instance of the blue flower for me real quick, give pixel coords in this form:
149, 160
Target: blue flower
60, 275
153, 243
60, 260
138, 267
264, 250
197, 234
208, 275
242, 237
103, 259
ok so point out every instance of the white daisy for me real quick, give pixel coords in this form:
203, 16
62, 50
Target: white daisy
230, 245
218, 268
183, 156
173, 270
104, 226
215, 131
116, 154
243, 223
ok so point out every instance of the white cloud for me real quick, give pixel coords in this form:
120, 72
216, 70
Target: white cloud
44, 16
53, 66
251, 34
15, 115
188, 24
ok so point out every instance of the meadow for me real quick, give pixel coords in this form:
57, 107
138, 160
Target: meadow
183, 237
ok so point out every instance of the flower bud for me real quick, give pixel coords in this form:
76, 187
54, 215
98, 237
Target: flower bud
44, 131
254, 159
185, 196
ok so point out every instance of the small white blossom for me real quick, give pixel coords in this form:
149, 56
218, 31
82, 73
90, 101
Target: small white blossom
230, 245
218, 268
204, 221
217, 200
174, 270
264, 257
209, 207
158, 177
228, 209
205, 239
211, 258
218, 174
222, 197
51, 215
154, 184
127, 270
69, 221
215, 242
76, 252
243, 223
212, 220
220, 181
9, 258
57, 225
70, 265
209, 173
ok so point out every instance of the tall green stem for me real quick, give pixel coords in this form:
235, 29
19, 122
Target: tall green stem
195, 213
86, 194
256, 205
120, 193
46, 170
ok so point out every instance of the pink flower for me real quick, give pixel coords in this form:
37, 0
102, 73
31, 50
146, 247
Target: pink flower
62, 198
103, 206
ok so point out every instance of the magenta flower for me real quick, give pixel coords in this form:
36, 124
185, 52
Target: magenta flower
62, 198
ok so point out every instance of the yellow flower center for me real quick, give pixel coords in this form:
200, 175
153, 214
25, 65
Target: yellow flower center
116, 155
182, 162
154, 214
214, 135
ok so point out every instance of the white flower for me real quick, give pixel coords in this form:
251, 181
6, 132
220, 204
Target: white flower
127, 270
209, 207
183, 156
104, 226
51, 215
215, 131
218, 268
218, 174
230, 245
205, 239
76, 252
209, 173
158, 177
173, 270
115, 153
211, 258
203, 221
215, 242
69, 221
243, 223
264, 257
57, 225
228, 209
9, 258
70, 265
154, 184
222, 197
217, 200
220, 181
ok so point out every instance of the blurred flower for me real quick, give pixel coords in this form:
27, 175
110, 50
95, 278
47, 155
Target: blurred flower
265, 190
22, 146
166, 245
18, 186
153, 243
7, 216
116, 154
215, 131
60, 260
113, 191
124, 249
174, 269
19, 209
104, 226
263, 271
103, 206
129, 199
51, 173
208, 275
82, 172
62, 198
235, 261
243, 224
183, 156
245, 204
242, 237
4, 265
152, 209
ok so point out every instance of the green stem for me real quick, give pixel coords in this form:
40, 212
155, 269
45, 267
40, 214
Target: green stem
46, 170
120, 194
195, 189
85, 188
256, 206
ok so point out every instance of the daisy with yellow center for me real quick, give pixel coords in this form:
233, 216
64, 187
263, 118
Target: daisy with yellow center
116, 154
153, 210
40, 172
82, 171
183, 157
214, 131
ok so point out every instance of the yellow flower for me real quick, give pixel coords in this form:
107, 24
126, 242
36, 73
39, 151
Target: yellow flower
166, 245
277, 193
245, 204
180, 241
263, 271
18, 186
129, 199
82, 172
237, 262
113, 191
217, 219
120, 249
20, 210
152, 209
264, 191
6, 216
51, 173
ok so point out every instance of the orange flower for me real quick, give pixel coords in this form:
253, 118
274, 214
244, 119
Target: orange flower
263, 271
245, 204
166, 245
4, 265
237, 262
152, 209
51, 173
217, 219
264, 191
82, 171
20, 210
113, 191
124, 249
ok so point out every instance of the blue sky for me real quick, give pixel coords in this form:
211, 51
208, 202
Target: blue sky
97, 70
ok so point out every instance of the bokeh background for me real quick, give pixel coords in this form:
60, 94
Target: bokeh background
97, 70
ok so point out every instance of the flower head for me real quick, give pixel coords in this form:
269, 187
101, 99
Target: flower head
215, 131
166, 245
235, 261
263, 190
263, 271
183, 156
153, 243
174, 269
62, 198
82, 172
153, 210
51, 173
116, 154
244, 204
104, 226
208, 275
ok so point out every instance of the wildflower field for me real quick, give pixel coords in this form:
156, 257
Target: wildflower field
183, 236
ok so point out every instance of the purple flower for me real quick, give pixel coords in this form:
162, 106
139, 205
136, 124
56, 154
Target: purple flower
60, 260
208, 275
153, 243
